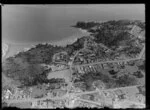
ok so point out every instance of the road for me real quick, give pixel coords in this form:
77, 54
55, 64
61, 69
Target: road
33, 99
115, 61
65, 96
71, 65
125, 102
92, 102
113, 104
71, 71
113, 89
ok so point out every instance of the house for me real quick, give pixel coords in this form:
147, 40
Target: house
135, 30
7, 94
94, 69
87, 69
83, 68
91, 68
142, 35
99, 66
80, 70
105, 66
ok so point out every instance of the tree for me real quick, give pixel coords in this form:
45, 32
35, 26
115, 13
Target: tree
126, 80
138, 74
26, 74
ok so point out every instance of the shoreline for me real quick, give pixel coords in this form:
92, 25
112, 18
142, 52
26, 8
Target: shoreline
4, 49
23, 47
72, 39
83, 30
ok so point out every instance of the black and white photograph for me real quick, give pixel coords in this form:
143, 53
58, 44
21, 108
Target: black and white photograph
73, 56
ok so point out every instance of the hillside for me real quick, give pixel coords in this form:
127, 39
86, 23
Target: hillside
26, 68
112, 33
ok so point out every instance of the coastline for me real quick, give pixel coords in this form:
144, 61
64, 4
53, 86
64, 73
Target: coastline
72, 39
83, 30
15, 48
4, 49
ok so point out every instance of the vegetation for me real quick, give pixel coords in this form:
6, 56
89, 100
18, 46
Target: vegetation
109, 39
122, 81
112, 72
26, 66
111, 33
42, 53
4, 104
77, 45
138, 74
126, 80
142, 67
112, 24
141, 89
91, 77
84, 25
25, 73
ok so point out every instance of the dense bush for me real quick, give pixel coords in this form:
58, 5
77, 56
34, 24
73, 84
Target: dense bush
26, 68
42, 53
138, 74
26, 74
111, 33
142, 67
91, 77
85, 25
77, 45
126, 80
111, 38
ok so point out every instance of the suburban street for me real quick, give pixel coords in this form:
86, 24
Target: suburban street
114, 61
76, 94
89, 101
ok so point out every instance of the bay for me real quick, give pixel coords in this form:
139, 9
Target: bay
26, 25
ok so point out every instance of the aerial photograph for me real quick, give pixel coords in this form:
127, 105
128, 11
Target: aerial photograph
73, 56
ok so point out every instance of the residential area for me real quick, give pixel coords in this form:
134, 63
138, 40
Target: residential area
92, 72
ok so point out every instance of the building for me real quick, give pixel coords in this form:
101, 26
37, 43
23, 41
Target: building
142, 35
135, 31
99, 67
105, 66
34, 104
80, 70
87, 69
83, 68
90, 68
94, 69
7, 94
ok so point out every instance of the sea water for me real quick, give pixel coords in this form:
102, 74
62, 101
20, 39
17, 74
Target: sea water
27, 25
